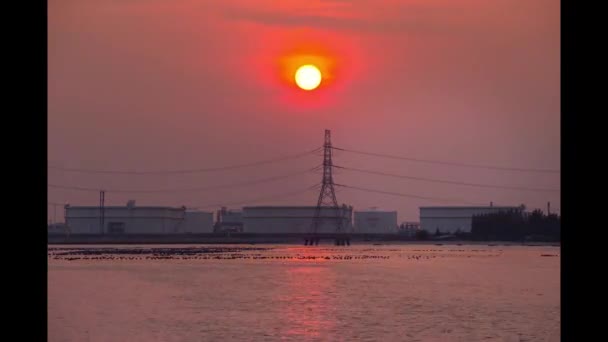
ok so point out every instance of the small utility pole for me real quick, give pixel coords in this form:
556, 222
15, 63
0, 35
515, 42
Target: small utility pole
102, 194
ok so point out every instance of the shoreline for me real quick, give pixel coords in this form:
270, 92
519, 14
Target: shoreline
250, 239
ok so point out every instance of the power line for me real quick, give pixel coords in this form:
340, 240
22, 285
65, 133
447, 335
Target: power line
275, 196
77, 188
407, 195
223, 168
213, 187
509, 187
450, 163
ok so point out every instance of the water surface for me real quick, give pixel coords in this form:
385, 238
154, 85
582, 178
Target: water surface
395, 292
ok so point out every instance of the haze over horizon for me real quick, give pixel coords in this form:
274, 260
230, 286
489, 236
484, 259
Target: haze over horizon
163, 85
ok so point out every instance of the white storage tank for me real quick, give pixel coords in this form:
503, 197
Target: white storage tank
131, 219
293, 219
197, 222
375, 221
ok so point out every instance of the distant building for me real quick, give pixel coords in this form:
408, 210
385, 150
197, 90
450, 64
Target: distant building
292, 219
196, 222
229, 220
453, 219
57, 229
375, 221
409, 228
131, 219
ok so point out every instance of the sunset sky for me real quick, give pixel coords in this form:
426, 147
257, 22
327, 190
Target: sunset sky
151, 85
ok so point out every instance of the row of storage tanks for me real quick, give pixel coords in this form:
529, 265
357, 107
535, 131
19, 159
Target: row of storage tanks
131, 219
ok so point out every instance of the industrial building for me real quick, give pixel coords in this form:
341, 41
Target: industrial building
229, 220
56, 228
374, 221
293, 219
409, 229
454, 219
196, 222
131, 219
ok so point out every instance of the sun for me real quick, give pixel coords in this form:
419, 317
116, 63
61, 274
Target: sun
308, 77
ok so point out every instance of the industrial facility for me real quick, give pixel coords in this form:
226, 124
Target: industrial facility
455, 219
57, 228
131, 219
326, 220
294, 219
229, 221
409, 229
374, 221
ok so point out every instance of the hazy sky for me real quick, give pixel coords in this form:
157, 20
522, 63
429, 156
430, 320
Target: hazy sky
159, 84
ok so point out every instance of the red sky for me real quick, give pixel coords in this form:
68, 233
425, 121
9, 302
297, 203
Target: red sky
159, 84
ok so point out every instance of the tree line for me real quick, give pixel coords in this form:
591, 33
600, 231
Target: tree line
515, 225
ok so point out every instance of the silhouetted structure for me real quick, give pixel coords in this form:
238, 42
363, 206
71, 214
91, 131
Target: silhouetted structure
422, 235
327, 199
450, 219
229, 221
409, 229
516, 226
102, 196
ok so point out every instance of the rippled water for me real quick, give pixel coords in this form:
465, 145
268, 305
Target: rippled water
297, 293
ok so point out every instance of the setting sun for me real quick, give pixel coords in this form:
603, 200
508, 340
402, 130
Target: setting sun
308, 77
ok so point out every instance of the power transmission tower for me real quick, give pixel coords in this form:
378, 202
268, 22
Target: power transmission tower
102, 195
327, 202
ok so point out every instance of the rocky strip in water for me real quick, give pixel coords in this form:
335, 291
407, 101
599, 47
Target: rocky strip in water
191, 253
153, 251
247, 253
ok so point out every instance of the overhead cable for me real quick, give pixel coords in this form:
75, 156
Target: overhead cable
491, 167
212, 187
436, 199
186, 171
509, 187
271, 197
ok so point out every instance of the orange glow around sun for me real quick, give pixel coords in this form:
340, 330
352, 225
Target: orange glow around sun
336, 57
295, 68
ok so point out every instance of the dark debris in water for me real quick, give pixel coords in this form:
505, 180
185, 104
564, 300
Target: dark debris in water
190, 253
154, 251
252, 253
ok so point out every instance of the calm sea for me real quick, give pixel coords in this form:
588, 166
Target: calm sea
394, 292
